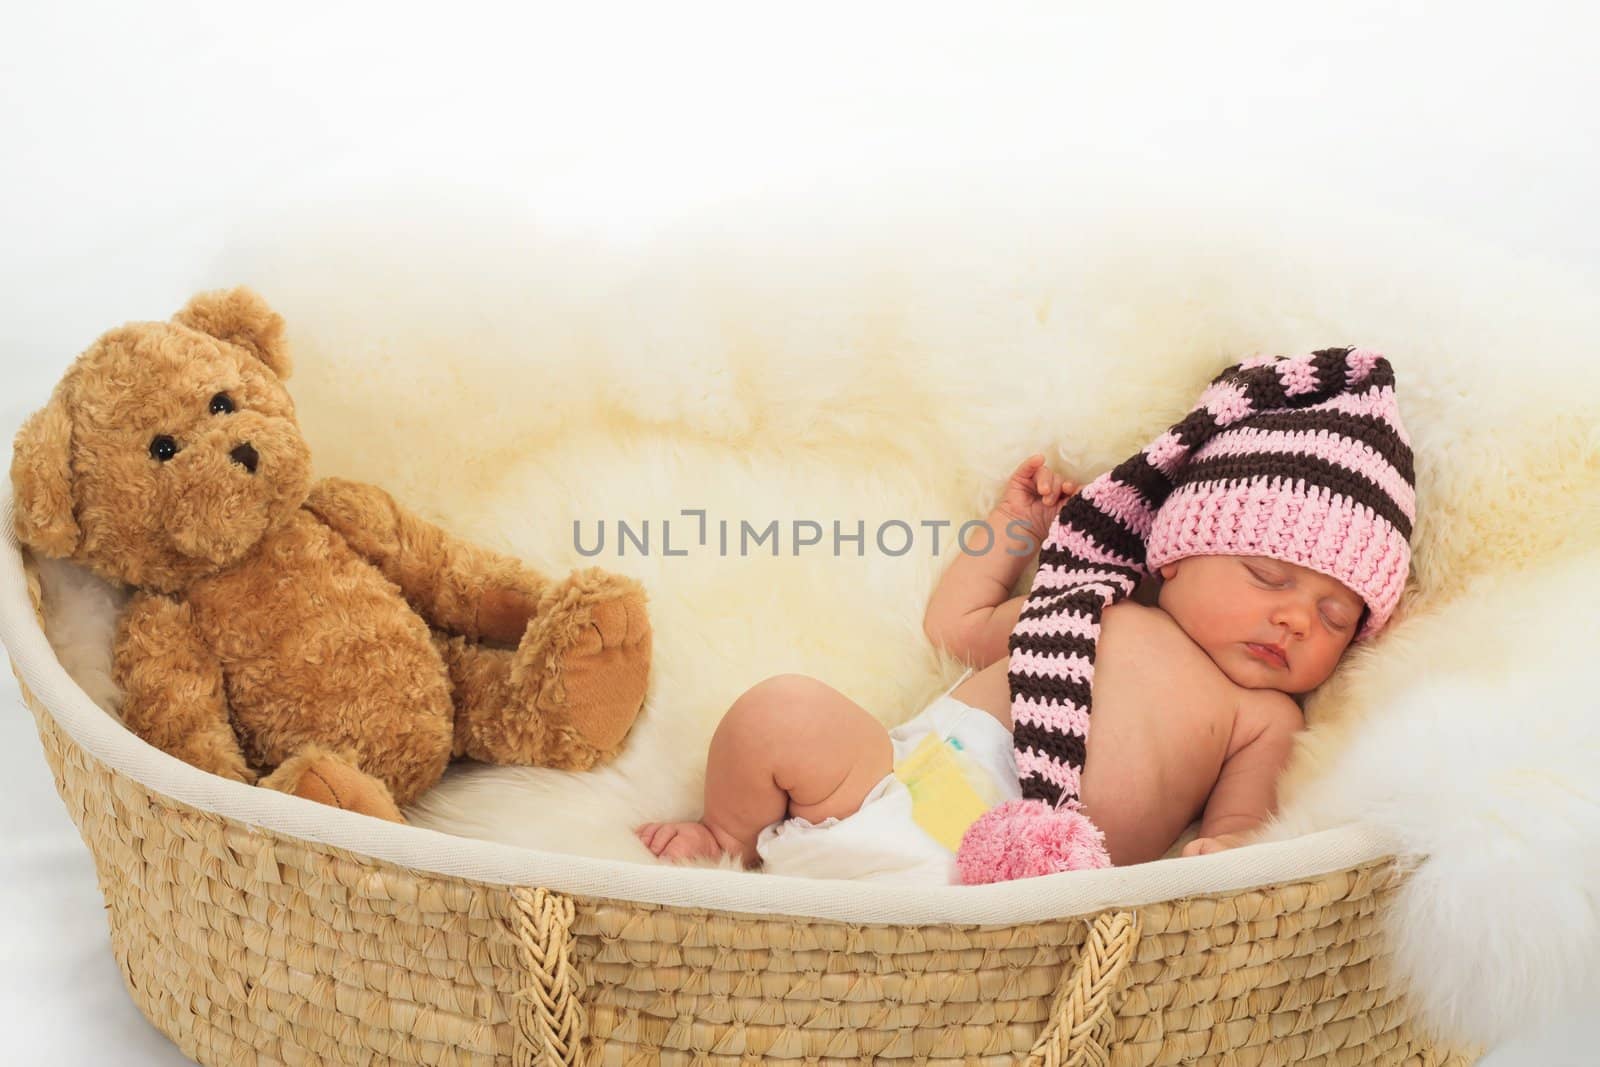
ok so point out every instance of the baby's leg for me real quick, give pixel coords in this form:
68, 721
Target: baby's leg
788, 747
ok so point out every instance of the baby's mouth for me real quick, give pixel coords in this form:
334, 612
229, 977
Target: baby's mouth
1267, 654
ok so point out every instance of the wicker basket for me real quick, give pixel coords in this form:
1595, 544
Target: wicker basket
255, 928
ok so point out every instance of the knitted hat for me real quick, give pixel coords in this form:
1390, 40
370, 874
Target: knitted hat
1304, 460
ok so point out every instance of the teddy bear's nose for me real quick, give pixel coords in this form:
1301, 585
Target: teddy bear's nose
245, 456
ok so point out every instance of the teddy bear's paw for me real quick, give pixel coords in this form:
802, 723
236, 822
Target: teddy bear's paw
583, 664
603, 673
332, 780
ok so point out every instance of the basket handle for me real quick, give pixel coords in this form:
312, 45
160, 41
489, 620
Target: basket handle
1080, 1017
550, 1019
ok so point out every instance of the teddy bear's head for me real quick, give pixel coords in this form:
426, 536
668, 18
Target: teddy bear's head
168, 450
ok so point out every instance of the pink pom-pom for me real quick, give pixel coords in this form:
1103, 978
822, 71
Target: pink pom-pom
1028, 838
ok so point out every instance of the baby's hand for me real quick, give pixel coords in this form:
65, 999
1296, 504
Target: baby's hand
1200, 846
1034, 495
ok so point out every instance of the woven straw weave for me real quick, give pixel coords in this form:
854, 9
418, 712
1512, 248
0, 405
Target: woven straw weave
248, 947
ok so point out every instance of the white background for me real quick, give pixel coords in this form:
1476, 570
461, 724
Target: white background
134, 138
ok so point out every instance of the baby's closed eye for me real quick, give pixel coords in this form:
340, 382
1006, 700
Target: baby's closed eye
1336, 615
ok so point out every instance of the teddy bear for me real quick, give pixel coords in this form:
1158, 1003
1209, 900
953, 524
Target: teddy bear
313, 637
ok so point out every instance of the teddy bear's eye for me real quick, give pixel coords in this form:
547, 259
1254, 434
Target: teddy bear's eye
163, 448
221, 404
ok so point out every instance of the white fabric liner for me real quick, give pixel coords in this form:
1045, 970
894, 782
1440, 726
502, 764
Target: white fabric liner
1029, 900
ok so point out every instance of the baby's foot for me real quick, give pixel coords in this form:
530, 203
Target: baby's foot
680, 840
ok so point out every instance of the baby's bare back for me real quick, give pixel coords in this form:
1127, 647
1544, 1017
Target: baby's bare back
1158, 735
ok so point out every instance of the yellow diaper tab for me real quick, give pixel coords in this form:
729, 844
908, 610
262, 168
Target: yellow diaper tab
948, 790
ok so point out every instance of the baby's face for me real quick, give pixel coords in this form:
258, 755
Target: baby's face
1237, 607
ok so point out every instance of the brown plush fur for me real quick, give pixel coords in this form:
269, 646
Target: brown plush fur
317, 638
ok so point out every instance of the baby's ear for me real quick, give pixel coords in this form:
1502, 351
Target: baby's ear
240, 317
41, 481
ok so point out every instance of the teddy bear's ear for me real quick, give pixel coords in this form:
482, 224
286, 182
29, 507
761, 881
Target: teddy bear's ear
41, 481
240, 317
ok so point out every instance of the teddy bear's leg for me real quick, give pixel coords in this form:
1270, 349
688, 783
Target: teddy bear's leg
568, 694
332, 778
584, 659
491, 724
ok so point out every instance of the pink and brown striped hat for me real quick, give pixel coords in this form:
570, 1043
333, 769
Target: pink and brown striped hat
1328, 486
1302, 459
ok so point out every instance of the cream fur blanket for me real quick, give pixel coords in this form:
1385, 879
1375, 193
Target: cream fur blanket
892, 356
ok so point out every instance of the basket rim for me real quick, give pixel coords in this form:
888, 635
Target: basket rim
1031, 900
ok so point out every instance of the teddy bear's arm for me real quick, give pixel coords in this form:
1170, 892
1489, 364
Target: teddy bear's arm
172, 687
455, 585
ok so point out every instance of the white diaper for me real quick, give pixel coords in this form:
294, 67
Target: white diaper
882, 841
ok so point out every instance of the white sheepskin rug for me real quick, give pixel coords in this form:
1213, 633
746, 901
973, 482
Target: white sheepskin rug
891, 356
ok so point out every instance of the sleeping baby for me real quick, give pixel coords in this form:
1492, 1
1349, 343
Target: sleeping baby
1273, 522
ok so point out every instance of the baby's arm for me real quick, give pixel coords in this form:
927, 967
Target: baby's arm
1246, 793
972, 613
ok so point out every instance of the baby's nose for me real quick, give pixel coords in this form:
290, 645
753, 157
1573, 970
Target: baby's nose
245, 456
